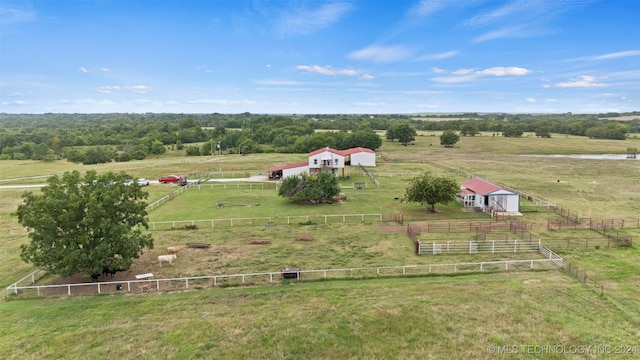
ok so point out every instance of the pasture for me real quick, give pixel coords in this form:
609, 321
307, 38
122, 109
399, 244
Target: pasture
438, 316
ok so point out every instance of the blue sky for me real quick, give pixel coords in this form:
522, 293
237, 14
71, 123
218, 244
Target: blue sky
317, 57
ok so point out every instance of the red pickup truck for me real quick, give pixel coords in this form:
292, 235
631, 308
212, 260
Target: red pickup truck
182, 180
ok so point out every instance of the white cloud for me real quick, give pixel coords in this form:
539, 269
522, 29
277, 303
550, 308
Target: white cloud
454, 79
582, 81
203, 69
15, 102
145, 102
306, 21
439, 56
83, 69
551, 100
104, 69
503, 71
108, 89
15, 16
531, 100
381, 54
464, 75
511, 32
437, 70
616, 55
505, 11
90, 102
368, 104
463, 71
221, 102
426, 8
139, 89
520, 18
366, 77
327, 70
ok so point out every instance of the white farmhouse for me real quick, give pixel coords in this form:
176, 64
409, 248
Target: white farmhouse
326, 159
489, 197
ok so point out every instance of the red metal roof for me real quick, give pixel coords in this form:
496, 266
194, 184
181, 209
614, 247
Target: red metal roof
319, 151
480, 186
357, 150
291, 166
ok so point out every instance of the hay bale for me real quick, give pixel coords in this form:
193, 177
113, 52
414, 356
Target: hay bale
259, 241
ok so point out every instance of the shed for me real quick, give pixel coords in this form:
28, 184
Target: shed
360, 156
288, 273
284, 171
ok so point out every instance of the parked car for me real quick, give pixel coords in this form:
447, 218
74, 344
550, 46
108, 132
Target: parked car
143, 182
182, 180
169, 179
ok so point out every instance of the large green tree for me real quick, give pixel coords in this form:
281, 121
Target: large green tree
430, 190
85, 225
318, 188
405, 133
449, 138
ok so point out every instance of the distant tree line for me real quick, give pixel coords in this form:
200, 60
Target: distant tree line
99, 138
601, 126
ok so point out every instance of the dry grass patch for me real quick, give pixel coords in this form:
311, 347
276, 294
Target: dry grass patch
303, 238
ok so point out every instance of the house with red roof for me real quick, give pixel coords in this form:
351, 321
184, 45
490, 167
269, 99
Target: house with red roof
326, 159
489, 197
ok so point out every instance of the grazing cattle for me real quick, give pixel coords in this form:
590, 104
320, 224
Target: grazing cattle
107, 271
167, 258
174, 249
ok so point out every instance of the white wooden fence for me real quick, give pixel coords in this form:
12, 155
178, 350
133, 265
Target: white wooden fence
271, 220
475, 247
266, 278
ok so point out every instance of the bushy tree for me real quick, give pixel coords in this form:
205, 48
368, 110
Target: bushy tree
430, 190
469, 129
319, 188
609, 131
193, 150
449, 138
157, 147
84, 225
405, 133
512, 131
392, 132
543, 131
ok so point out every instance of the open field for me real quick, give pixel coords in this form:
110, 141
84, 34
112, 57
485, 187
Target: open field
440, 317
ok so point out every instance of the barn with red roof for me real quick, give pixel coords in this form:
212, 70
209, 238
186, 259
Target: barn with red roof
489, 197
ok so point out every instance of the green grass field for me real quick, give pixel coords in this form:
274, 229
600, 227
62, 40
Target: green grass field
432, 317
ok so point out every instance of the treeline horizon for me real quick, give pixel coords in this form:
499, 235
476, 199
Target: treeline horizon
99, 138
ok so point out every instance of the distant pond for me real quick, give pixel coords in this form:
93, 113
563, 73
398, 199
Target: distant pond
589, 156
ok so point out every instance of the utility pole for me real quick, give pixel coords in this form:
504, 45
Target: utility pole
219, 158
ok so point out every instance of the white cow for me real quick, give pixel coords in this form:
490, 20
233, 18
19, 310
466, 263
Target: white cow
167, 258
